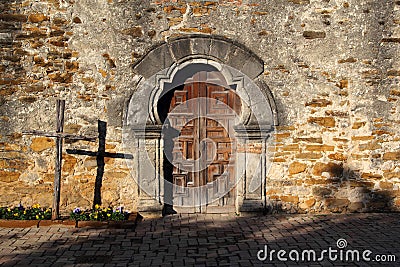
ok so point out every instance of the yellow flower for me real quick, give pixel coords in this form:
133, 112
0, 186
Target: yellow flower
104, 209
15, 214
8, 209
97, 206
108, 214
95, 216
24, 211
37, 217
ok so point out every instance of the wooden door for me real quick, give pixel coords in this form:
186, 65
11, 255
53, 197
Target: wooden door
203, 157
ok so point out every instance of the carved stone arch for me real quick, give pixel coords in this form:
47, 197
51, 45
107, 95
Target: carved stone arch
158, 69
220, 49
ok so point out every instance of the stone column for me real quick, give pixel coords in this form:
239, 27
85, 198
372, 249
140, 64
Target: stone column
251, 168
149, 165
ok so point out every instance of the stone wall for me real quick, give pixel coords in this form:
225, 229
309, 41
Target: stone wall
331, 67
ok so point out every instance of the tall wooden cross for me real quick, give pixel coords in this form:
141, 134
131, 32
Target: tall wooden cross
60, 136
100, 154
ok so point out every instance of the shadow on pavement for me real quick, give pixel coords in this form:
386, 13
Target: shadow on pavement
203, 240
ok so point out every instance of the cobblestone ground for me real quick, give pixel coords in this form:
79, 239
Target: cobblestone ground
205, 240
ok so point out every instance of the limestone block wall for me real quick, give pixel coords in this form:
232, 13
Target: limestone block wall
332, 67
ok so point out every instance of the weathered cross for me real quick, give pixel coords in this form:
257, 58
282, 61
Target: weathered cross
59, 135
100, 154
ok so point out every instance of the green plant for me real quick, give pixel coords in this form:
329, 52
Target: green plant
21, 213
99, 214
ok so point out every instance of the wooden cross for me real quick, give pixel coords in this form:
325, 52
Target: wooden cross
59, 135
100, 154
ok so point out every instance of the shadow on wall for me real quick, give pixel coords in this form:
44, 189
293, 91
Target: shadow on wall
100, 155
190, 240
339, 190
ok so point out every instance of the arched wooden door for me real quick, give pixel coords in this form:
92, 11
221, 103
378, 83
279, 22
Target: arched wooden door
203, 114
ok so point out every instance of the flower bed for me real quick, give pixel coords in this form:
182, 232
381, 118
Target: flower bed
99, 214
21, 213
21, 217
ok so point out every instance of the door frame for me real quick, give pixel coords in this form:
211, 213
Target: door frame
143, 128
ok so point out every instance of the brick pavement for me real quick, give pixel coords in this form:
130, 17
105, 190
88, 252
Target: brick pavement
202, 240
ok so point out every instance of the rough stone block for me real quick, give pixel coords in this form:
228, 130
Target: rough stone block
371, 176
115, 111
309, 140
134, 31
391, 175
38, 17
155, 61
333, 169
307, 204
281, 136
337, 156
319, 103
9, 176
358, 125
362, 138
237, 57
14, 17
336, 204
314, 34
391, 156
355, 207
369, 146
347, 60
292, 147
309, 156
321, 192
220, 48
180, 48
41, 143
69, 163
323, 148
253, 68
297, 167
323, 121
72, 128
64, 77
290, 198
201, 46
391, 40
386, 185
395, 92
300, 2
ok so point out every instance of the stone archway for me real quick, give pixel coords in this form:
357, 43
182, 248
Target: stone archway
169, 65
